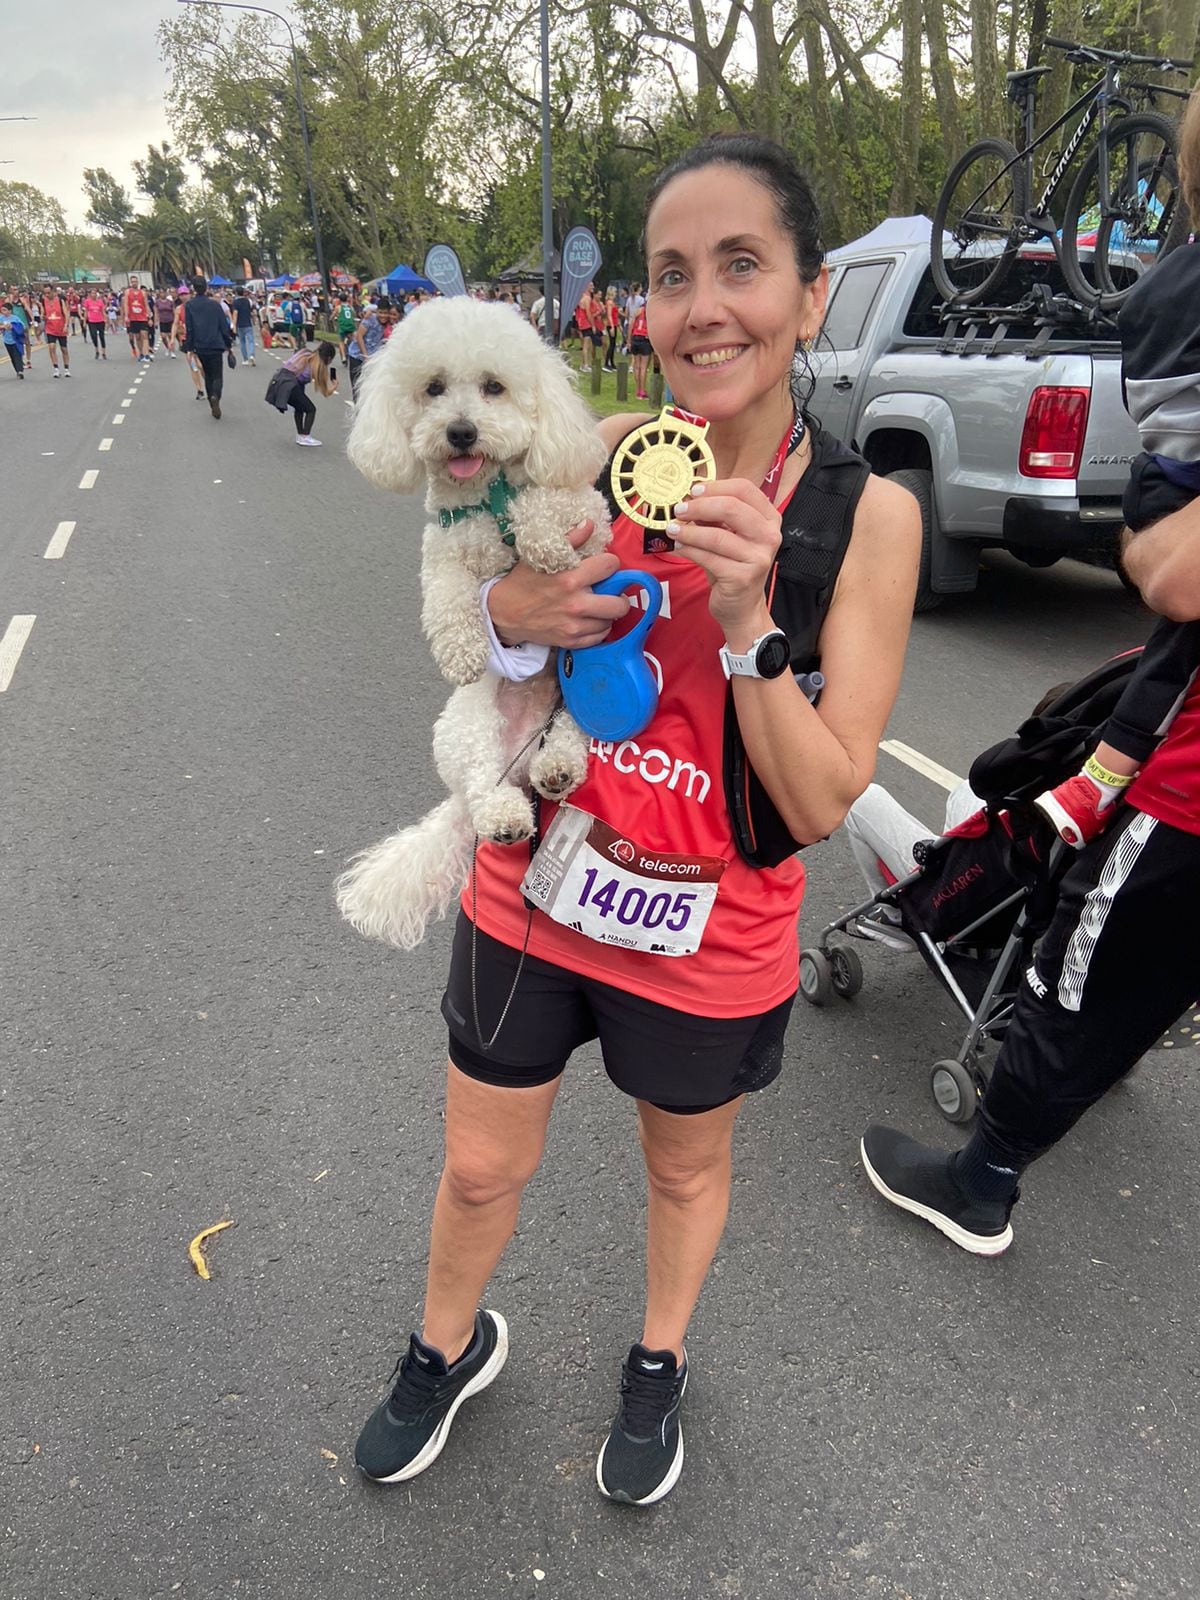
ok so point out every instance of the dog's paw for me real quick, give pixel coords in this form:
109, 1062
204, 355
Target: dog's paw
462, 661
554, 774
505, 816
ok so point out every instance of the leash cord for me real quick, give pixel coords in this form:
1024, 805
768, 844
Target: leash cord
539, 733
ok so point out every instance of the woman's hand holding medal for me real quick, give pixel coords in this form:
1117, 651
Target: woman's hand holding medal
732, 530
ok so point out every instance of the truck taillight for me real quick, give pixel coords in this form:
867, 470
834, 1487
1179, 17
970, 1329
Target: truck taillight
1052, 439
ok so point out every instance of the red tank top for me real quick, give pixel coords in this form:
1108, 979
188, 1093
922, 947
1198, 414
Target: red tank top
1168, 786
54, 315
665, 789
139, 311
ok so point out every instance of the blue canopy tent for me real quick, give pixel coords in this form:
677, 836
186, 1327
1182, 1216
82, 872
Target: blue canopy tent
282, 282
220, 283
403, 280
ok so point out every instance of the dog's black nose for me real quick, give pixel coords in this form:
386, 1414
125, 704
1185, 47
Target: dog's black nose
462, 435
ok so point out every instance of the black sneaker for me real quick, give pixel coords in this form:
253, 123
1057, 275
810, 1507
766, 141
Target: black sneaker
642, 1457
406, 1433
924, 1181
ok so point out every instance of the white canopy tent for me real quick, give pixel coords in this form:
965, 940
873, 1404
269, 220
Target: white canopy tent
891, 233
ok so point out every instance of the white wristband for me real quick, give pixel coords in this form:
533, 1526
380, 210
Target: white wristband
515, 662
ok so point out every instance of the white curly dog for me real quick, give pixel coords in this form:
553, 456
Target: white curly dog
466, 396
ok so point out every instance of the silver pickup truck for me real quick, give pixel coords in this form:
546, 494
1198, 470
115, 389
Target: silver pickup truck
1008, 425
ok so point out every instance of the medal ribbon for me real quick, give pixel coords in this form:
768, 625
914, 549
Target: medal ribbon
791, 440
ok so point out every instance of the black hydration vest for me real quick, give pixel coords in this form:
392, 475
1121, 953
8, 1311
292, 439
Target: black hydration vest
817, 523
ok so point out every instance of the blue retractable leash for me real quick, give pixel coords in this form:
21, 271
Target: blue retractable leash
610, 688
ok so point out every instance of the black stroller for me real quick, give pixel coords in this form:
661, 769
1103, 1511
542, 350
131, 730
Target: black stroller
983, 893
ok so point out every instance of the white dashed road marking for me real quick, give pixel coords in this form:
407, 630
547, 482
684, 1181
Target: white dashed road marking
126, 403
106, 444
11, 645
936, 773
88, 481
118, 419
59, 542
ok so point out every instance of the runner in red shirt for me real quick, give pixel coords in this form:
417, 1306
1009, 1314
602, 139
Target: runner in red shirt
54, 324
690, 1007
135, 313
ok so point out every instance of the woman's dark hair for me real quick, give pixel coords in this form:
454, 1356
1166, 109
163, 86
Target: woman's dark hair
768, 164
795, 208
326, 351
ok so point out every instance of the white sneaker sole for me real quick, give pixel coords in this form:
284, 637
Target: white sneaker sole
979, 1244
486, 1375
667, 1484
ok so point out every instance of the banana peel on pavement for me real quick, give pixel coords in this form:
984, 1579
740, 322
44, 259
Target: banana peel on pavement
195, 1251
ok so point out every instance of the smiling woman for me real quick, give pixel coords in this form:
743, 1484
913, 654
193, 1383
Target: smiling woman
670, 881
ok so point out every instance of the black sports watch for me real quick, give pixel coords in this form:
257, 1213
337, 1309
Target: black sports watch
769, 656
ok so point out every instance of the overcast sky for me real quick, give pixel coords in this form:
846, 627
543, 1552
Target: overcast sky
90, 73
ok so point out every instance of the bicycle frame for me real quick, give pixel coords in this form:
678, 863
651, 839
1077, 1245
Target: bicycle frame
1097, 99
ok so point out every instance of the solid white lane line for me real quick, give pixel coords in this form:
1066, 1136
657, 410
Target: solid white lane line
919, 763
118, 419
106, 444
59, 542
88, 481
11, 645
126, 403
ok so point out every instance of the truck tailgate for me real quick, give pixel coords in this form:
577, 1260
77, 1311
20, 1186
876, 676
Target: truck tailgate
1111, 442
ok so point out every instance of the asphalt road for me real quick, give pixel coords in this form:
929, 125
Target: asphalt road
223, 694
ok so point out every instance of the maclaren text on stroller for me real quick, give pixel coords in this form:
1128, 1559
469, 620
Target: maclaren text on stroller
983, 893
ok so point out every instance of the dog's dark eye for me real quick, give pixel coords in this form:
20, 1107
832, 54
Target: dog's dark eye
493, 386
435, 387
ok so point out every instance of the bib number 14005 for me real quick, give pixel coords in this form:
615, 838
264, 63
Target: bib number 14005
602, 884
632, 905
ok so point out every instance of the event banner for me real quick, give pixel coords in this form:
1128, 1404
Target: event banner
443, 268
580, 264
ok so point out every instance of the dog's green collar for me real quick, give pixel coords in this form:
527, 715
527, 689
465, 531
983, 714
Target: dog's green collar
500, 497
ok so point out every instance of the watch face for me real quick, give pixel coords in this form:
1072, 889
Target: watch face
773, 656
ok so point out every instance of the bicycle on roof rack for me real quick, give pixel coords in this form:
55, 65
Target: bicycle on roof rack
1124, 203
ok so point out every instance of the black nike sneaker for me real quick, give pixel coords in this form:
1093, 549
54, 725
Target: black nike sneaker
926, 1182
642, 1457
406, 1433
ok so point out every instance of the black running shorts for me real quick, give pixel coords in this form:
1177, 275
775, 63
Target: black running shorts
137, 327
674, 1060
57, 338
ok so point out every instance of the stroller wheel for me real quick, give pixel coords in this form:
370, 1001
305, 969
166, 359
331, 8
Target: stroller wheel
955, 1091
816, 977
845, 971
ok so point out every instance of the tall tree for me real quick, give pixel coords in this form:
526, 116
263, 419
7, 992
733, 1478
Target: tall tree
109, 206
161, 174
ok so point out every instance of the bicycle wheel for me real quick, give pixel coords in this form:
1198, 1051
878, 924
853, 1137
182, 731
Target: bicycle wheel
976, 224
1145, 219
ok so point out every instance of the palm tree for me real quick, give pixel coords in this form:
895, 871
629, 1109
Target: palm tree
155, 241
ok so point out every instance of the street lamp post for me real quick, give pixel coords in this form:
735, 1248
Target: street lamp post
243, 5
550, 321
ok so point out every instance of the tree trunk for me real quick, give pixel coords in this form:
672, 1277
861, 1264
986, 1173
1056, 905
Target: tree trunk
828, 163
1066, 22
985, 60
903, 201
768, 107
944, 92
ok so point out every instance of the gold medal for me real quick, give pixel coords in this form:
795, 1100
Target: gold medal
657, 464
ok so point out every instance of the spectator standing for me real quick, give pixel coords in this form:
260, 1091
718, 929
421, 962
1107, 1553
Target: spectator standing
612, 329
640, 348
294, 313
368, 338
211, 337
537, 313
243, 321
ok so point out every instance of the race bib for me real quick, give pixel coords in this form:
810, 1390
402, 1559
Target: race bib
604, 885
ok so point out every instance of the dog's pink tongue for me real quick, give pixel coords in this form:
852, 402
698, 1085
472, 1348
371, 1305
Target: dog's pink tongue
464, 466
